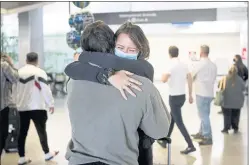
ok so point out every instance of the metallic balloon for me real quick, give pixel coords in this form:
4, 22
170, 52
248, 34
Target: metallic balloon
81, 20
73, 39
80, 4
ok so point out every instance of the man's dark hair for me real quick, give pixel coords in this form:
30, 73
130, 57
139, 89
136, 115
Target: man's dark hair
32, 57
173, 51
137, 35
98, 37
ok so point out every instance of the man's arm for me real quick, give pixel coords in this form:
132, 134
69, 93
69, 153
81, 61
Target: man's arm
10, 72
195, 70
165, 77
190, 87
156, 120
46, 92
79, 71
105, 60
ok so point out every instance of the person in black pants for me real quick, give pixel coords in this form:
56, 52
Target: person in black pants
33, 99
39, 118
233, 99
242, 72
176, 103
4, 122
176, 75
231, 119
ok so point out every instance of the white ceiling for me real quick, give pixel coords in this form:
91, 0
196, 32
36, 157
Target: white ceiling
13, 5
17, 7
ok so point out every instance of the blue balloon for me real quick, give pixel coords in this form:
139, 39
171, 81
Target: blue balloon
73, 39
81, 20
71, 21
81, 5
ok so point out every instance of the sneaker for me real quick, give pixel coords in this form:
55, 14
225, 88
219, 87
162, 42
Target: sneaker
197, 136
162, 143
24, 161
188, 150
225, 131
236, 131
206, 141
220, 112
49, 156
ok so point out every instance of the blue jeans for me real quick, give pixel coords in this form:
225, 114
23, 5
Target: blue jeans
203, 106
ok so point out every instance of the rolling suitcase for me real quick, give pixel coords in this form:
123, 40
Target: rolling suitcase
168, 141
11, 144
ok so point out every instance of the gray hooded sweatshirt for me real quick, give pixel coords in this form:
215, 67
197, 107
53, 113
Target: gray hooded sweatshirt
104, 125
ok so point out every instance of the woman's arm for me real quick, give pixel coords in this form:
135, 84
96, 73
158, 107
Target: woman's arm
105, 60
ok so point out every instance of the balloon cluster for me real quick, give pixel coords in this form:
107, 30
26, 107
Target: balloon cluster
78, 22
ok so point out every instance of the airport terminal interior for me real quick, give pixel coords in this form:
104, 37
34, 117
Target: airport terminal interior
45, 28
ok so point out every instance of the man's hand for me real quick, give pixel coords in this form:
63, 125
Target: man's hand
51, 110
191, 100
122, 81
76, 56
10, 61
165, 78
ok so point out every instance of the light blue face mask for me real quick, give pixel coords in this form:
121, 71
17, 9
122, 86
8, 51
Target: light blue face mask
121, 54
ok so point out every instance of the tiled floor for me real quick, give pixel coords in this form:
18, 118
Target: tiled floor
227, 149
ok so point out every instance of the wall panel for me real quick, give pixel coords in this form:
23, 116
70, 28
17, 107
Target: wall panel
222, 49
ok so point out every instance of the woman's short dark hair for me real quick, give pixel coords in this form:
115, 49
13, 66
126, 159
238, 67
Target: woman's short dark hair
98, 37
137, 35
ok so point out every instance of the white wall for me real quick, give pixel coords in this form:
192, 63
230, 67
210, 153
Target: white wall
244, 40
222, 49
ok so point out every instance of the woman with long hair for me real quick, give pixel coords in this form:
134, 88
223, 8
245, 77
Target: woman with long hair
242, 71
233, 99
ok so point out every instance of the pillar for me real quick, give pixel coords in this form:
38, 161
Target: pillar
31, 35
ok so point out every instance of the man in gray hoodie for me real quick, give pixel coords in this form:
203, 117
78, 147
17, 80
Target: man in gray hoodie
104, 125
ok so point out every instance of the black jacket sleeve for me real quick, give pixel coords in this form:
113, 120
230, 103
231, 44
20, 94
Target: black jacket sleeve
105, 60
82, 70
78, 71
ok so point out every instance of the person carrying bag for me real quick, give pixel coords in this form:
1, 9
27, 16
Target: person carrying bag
231, 99
219, 94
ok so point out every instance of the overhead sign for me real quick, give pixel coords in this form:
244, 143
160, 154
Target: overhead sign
232, 14
152, 17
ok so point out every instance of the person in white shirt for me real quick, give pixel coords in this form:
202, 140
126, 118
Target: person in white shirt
33, 97
177, 74
204, 75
